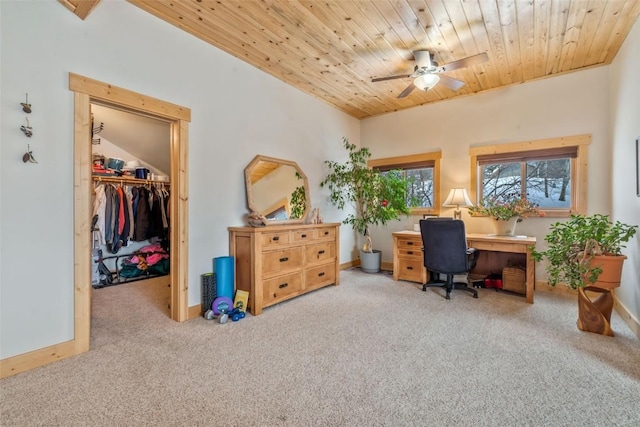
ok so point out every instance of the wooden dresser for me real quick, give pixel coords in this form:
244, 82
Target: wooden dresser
277, 263
408, 261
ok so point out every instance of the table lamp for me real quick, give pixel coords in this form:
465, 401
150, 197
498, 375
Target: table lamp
457, 198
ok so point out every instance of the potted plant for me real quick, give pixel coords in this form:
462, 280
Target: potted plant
377, 198
506, 210
585, 253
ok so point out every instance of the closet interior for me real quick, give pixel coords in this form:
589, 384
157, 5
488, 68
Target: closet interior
132, 195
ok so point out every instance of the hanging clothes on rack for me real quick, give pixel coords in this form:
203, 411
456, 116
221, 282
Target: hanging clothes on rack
142, 215
126, 212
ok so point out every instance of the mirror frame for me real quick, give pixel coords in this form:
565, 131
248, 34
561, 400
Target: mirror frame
249, 188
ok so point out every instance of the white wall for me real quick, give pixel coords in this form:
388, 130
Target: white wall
572, 104
237, 112
625, 129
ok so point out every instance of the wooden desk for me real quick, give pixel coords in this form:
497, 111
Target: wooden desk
494, 251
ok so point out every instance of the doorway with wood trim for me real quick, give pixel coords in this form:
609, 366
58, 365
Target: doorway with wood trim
87, 91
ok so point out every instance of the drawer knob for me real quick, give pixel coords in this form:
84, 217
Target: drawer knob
410, 243
276, 238
320, 252
284, 285
409, 268
303, 236
284, 259
321, 274
326, 233
410, 252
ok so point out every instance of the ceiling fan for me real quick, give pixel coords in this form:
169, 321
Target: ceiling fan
427, 73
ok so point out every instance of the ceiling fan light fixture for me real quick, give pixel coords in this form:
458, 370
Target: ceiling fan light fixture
426, 81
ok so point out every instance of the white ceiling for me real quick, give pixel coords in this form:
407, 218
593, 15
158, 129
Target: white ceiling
145, 138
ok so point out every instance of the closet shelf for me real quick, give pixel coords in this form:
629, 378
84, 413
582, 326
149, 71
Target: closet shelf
127, 180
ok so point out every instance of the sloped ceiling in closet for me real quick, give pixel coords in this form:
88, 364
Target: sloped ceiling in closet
146, 138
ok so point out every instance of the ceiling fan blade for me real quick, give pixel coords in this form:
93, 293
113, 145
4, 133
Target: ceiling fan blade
382, 79
466, 62
450, 82
407, 90
422, 58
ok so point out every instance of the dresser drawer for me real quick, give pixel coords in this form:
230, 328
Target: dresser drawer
275, 238
305, 235
326, 233
282, 286
410, 269
320, 276
278, 262
320, 252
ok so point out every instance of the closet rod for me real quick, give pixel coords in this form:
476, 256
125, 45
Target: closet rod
129, 181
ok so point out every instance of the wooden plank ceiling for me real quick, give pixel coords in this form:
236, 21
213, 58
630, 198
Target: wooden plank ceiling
332, 49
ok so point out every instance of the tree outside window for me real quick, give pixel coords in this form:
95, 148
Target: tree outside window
551, 173
544, 182
423, 171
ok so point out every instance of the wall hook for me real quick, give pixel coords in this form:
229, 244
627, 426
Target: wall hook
28, 130
28, 156
26, 107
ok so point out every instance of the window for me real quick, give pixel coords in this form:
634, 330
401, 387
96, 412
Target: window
424, 169
550, 172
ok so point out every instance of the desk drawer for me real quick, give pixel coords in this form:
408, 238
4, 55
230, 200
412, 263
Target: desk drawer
411, 253
410, 269
410, 244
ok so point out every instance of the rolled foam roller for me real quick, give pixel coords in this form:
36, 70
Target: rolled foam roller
223, 267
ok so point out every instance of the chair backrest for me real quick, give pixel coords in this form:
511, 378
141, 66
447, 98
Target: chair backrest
445, 245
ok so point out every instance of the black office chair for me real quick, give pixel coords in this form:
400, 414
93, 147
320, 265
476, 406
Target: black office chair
445, 252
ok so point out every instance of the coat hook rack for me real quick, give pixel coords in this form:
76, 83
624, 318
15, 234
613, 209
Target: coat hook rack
96, 130
26, 107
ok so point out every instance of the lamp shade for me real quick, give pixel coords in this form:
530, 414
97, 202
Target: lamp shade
457, 197
426, 81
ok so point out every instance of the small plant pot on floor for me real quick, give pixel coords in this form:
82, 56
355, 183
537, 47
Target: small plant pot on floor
370, 261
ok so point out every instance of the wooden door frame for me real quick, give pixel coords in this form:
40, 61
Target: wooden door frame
86, 91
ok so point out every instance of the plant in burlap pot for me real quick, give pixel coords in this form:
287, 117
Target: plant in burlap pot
585, 253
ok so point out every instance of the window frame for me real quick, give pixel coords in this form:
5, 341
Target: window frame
578, 167
411, 160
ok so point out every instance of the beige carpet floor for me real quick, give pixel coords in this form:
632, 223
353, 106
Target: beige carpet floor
370, 352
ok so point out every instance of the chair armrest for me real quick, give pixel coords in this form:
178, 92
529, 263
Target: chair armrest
472, 257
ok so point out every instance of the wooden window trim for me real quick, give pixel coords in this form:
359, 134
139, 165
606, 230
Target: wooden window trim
578, 167
432, 158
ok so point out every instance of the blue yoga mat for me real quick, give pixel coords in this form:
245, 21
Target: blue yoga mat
223, 267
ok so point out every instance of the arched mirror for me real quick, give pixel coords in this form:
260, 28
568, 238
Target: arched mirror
277, 189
